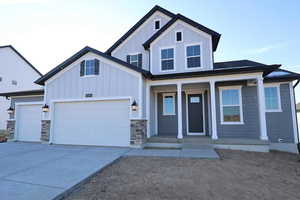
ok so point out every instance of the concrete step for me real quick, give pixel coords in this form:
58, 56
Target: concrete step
197, 146
160, 145
163, 140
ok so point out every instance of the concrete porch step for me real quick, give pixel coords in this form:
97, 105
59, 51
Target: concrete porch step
157, 139
161, 145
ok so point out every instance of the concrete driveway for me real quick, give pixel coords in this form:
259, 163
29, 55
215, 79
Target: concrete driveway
43, 172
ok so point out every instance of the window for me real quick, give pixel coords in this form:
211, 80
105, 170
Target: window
272, 98
178, 36
0, 79
169, 104
157, 24
135, 59
14, 82
89, 67
231, 105
167, 59
193, 56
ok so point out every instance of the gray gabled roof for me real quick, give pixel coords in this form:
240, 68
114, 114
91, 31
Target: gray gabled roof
22, 57
79, 54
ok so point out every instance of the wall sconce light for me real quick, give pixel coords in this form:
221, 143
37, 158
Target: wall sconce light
45, 108
10, 110
134, 106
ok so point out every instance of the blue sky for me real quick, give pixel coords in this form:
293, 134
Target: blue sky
49, 31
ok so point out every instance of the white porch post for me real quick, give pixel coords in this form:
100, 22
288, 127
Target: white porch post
148, 109
179, 110
214, 134
262, 108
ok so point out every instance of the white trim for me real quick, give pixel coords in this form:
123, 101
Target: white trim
178, 31
179, 110
277, 86
239, 88
294, 116
174, 59
174, 103
262, 108
157, 20
186, 57
53, 102
153, 17
141, 100
187, 93
217, 78
16, 117
101, 60
148, 87
156, 112
214, 134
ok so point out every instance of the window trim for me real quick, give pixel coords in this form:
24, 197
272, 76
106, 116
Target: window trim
157, 20
174, 104
174, 60
134, 54
277, 86
186, 57
239, 88
178, 31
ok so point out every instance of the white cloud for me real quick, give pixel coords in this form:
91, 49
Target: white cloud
265, 49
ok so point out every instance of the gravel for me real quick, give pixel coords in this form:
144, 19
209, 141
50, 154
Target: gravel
237, 175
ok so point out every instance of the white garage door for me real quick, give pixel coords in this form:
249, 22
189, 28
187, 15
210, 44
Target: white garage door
28, 122
104, 123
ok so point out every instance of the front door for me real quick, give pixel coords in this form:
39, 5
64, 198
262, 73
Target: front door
195, 119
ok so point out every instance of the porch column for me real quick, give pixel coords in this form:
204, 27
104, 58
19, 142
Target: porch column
262, 108
179, 111
148, 109
214, 134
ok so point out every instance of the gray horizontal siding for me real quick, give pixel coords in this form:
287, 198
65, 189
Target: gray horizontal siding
250, 128
280, 124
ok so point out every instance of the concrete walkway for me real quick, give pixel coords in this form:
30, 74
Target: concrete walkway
44, 172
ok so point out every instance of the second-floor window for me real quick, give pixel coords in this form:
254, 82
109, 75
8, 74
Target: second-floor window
193, 56
89, 67
157, 24
135, 59
167, 59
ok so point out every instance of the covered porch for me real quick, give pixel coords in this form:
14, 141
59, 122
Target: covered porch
190, 107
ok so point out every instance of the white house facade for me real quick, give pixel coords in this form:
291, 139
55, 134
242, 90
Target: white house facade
159, 80
16, 74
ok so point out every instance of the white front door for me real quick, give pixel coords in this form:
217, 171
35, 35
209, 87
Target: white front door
103, 123
28, 122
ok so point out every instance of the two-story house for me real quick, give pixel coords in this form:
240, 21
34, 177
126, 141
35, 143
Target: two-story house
160, 80
16, 74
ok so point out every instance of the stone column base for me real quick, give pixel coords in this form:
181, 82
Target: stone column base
138, 132
10, 128
45, 132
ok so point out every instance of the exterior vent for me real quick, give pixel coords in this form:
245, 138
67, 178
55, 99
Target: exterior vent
88, 95
251, 82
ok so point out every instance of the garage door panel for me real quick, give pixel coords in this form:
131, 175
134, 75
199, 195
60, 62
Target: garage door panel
29, 122
92, 123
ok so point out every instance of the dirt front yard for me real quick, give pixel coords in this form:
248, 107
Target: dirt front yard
238, 175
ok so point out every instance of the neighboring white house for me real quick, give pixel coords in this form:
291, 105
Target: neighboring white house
16, 74
159, 80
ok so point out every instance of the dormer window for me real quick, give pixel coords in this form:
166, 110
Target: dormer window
193, 56
89, 67
178, 36
157, 24
167, 59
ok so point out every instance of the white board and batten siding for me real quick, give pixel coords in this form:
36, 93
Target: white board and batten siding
134, 43
112, 82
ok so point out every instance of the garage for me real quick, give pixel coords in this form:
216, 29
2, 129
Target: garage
102, 123
28, 122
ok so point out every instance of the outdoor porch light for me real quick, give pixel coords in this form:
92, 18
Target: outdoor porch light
10, 110
45, 108
134, 105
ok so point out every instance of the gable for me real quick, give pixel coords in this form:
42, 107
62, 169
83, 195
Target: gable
138, 24
65, 65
